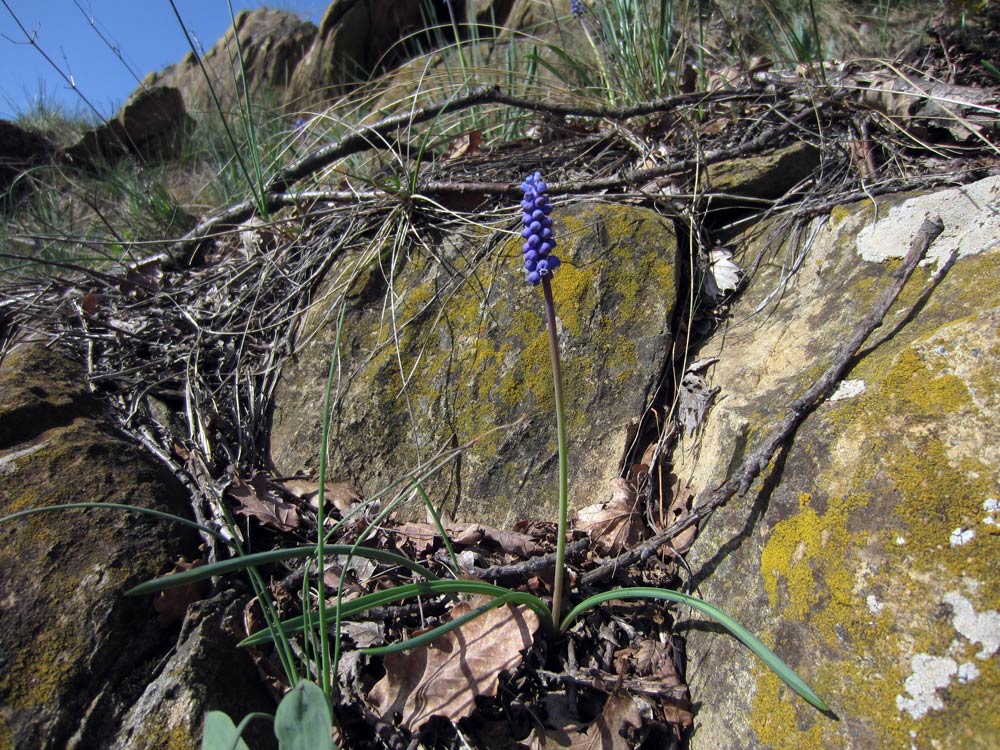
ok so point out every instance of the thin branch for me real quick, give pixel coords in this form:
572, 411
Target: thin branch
32, 39
364, 138
757, 460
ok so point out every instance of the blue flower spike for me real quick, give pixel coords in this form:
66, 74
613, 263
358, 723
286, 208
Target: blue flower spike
576, 7
539, 243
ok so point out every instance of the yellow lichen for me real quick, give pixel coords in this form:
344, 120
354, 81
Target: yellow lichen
869, 588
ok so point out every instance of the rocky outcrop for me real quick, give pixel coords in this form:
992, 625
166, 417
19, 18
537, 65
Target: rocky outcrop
20, 150
204, 672
356, 39
867, 555
75, 653
462, 359
273, 42
151, 125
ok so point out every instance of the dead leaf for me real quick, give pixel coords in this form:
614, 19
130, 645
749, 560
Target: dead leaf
90, 303
693, 399
171, 605
616, 524
722, 275
464, 144
520, 545
610, 731
257, 501
680, 508
142, 279
417, 538
364, 634
340, 494
445, 677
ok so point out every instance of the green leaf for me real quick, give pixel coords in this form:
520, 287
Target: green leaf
748, 639
277, 555
437, 632
220, 733
303, 720
408, 591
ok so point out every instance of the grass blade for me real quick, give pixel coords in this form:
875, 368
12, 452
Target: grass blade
402, 593
748, 639
278, 555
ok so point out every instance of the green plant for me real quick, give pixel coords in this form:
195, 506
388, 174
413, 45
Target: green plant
302, 722
539, 264
639, 50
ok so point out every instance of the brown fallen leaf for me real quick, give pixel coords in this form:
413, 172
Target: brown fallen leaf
445, 677
415, 538
513, 542
465, 144
680, 508
142, 279
340, 494
615, 524
612, 730
257, 501
171, 605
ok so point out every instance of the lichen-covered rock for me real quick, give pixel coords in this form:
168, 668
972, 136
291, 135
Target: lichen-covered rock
868, 555
75, 652
204, 672
769, 175
454, 353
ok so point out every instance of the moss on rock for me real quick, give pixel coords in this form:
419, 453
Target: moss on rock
72, 643
462, 358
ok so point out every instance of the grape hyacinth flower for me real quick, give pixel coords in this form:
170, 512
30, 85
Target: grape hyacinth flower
537, 233
576, 7
540, 263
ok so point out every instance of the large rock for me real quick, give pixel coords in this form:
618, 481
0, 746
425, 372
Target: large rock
361, 39
20, 150
868, 556
75, 652
204, 672
152, 124
273, 43
356, 39
458, 352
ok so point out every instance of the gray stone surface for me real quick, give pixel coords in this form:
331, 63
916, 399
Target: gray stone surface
867, 556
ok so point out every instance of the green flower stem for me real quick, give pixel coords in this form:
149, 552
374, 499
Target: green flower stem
325, 668
557, 587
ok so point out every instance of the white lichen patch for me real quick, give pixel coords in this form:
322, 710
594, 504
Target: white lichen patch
929, 674
961, 536
977, 627
874, 605
991, 507
971, 224
967, 672
848, 389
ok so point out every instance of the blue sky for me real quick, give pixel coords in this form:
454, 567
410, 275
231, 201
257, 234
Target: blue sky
145, 31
